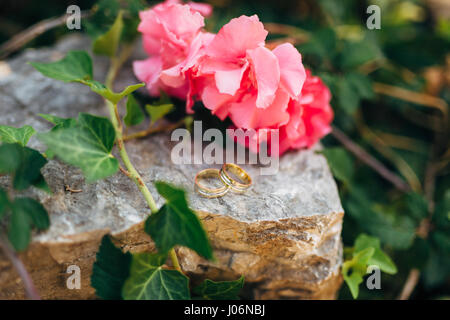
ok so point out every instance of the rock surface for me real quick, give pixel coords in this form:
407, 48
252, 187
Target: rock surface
283, 234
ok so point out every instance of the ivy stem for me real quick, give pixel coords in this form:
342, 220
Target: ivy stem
132, 172
116, 64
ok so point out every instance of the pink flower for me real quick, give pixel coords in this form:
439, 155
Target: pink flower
172, 37
310, 117
234, 75
240, 78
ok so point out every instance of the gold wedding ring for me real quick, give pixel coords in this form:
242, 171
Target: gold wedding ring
209, 192
226, 175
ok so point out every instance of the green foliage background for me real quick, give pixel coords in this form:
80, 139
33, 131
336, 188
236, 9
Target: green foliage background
410, 52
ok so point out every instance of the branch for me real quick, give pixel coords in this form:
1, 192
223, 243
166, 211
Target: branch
369, 160
410, 284
412, 96
22, 38
152, 130
30, 289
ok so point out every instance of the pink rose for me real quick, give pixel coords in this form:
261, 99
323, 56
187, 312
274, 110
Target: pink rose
234, 75
172, 37
240, 78
310, 118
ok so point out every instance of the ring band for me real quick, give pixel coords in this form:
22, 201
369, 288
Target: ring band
227, 179
209, 192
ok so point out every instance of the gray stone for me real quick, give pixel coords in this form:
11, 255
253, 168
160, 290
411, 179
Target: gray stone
283, 234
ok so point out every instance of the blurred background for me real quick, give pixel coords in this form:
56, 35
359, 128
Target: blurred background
391, 95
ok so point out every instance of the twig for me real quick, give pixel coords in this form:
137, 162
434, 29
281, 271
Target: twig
412, 96
410, 284
403, 167
153, 130
365, 157
30, 289
32, 32
68, 188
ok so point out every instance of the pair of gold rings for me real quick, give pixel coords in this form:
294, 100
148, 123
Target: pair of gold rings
232, 177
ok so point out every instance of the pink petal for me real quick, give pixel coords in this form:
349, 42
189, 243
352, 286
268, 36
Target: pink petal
293, 74
243, 113
267, 74
149, 71
215, 101
229, 81
237, 36
205, 9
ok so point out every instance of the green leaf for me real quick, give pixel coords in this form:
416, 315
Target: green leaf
355, 269
361, 83
417, 205
108, 43
10, 157
110, 270
398, 230
24, 164
224, 290
88, 146
59, 122
19, 231
176, 224
35, 211
16, 135
134, 114
379, 258
75, 66
441, 216
355, 54
26, 212
4, 202
341, 164
348, 98
157, 112
149, 281
28, 172
108, 94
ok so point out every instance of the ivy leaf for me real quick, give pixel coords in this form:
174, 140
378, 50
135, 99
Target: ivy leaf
134, 114
341, 164
108, 43
379, 258
157, 112
361, 83
24, 164
397, 231
176, 224
26, 212
417, 205
355, 269
59, 122
108, 94
357, 53
348, 98
16, 135
4, 202
88, 146
29, 170
75, 66
224, 290
110, 270
441, 216
149, 281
